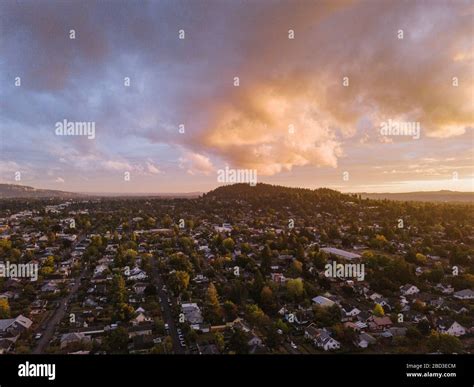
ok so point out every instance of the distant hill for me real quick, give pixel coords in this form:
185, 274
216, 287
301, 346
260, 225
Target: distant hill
24, 191
428, 196
244, 191
262, 191
164, 195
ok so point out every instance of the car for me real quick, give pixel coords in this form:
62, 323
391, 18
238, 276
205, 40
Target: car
293, 345
167, 326
38, 336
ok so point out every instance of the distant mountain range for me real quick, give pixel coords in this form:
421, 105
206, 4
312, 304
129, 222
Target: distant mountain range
241, 190
8, 191
24, 191
428, 196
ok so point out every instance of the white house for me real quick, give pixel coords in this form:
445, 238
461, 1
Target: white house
450, 327
323, 301
321, 338
350, 310
408, 290
466, 294
137, 274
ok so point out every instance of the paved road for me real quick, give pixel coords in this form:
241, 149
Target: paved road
57, 316
165, 308
59, 312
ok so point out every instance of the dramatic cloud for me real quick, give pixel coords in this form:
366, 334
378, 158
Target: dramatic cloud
316, 101
195, 163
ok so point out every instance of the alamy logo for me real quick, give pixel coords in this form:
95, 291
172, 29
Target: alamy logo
37, 370
400, 128
345, 270
19, 270
75, 128
229, 175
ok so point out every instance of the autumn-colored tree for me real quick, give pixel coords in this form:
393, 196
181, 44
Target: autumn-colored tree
228, 244
295, 287
180, 281
378, 310
4, 308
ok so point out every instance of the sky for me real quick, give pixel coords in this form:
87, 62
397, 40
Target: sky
298, 91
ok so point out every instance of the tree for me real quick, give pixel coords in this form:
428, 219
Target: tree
118, 290
220, 342
266, 298
297, 266
215, 312
238, 342
124, 312
212, 296
167, 221
116, 340
266, 261
230, 311
424, 327
421, 259
4, 308
180, 281
378, 310
168, 344
228, 244
179, 261
295, 287
444, 343
256, 316
159, 326
150, 290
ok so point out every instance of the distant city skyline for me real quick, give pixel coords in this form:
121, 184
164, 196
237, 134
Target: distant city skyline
357, 96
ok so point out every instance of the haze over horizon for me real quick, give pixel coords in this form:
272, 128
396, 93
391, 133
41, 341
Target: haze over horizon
293, 117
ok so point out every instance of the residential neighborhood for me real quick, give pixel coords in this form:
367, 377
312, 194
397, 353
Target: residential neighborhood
239, 270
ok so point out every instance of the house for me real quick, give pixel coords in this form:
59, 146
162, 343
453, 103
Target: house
380, 323
408, 290
445, 289
363, 340
5, 345
139, 287
141, 317
50, 287
382, 302
73, 337
340, 253
466, 294
364, 316
14, 327
279, 278
349, 311
321, 338
140, 330
450, 327
137, 274
255, 341
10, 331
323, 301
192, 314
375, 296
